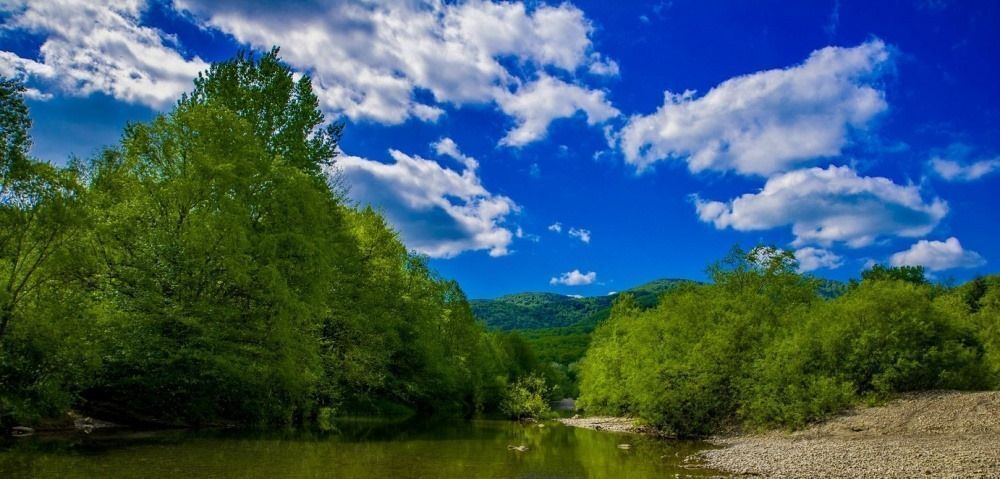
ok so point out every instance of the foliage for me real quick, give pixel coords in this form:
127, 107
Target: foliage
526, 398
911, 274
977, 305
760, 347
529, 311
525, 311
536, 317
281, 111
41, 274
207, 270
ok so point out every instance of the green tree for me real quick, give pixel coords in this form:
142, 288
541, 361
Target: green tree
218, 256
759, 347
44, 358
526, 398
282, 111
911, 274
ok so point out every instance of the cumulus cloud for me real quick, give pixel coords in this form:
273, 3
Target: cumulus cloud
448, 147
556, 227
92, 46
952, 170
811, 259
581, 234
938, 255
765, 122
603, 66
574, 278
537, 104
372, 60
828, 205
438, 211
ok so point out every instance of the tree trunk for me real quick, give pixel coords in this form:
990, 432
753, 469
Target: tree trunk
5, 314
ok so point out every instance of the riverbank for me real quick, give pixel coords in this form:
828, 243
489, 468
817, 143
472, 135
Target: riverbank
605, 423
934, 434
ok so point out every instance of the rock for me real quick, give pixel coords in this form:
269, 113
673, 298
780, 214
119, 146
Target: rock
521, 448
88, 424
625, 446
21, 431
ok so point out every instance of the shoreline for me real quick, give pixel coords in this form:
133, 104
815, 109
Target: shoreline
606, 424
928, 434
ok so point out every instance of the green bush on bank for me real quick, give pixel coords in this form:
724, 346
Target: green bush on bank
759, 348
527, 398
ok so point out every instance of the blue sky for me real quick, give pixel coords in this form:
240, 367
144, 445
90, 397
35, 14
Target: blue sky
586, 147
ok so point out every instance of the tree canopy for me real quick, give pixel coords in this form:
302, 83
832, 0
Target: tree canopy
203, 271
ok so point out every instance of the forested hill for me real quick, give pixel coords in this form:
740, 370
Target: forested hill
551, 310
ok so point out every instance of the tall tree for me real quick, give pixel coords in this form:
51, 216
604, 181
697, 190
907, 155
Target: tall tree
38, 209
281, 110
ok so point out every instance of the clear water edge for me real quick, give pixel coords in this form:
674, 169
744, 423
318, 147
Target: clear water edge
358, 449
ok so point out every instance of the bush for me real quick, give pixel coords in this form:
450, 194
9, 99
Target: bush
759, 347
526, 398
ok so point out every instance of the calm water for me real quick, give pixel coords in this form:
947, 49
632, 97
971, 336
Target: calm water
476, 449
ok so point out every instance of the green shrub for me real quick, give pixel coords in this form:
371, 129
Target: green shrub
526, 398
759, 347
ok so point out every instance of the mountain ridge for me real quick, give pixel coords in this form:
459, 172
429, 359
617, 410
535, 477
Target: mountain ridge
545, 310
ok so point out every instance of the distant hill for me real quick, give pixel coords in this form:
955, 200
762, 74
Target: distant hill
558, 326
528, 311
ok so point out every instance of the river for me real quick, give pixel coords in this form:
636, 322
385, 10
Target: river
357, 449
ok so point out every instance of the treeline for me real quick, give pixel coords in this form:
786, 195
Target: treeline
206, 271
759, 347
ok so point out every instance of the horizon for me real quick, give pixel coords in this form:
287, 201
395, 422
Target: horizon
590, 147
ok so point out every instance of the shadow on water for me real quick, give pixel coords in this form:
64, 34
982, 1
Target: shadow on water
415, 448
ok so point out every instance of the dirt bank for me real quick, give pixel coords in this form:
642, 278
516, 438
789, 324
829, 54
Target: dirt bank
941, 434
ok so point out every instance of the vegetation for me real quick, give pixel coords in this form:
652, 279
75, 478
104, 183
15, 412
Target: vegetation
205, 271
529, 311
760, 347
558, 327
527, 399
536, 310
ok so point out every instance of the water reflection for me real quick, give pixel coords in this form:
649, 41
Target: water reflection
359, 448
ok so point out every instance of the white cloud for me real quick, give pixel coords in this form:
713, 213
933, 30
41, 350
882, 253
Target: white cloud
603, 66
829, 205
574, 278
577, 296
536, 105
92, 46
372, 60
556, 227
811, 259
438, 211
938, 255
581, 234
448, 147
765, 122
521, 234
952, 170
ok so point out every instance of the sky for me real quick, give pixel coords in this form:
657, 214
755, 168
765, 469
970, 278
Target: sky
586, 147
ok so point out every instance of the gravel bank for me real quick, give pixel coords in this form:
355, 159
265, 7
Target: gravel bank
940, 434
603, 423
